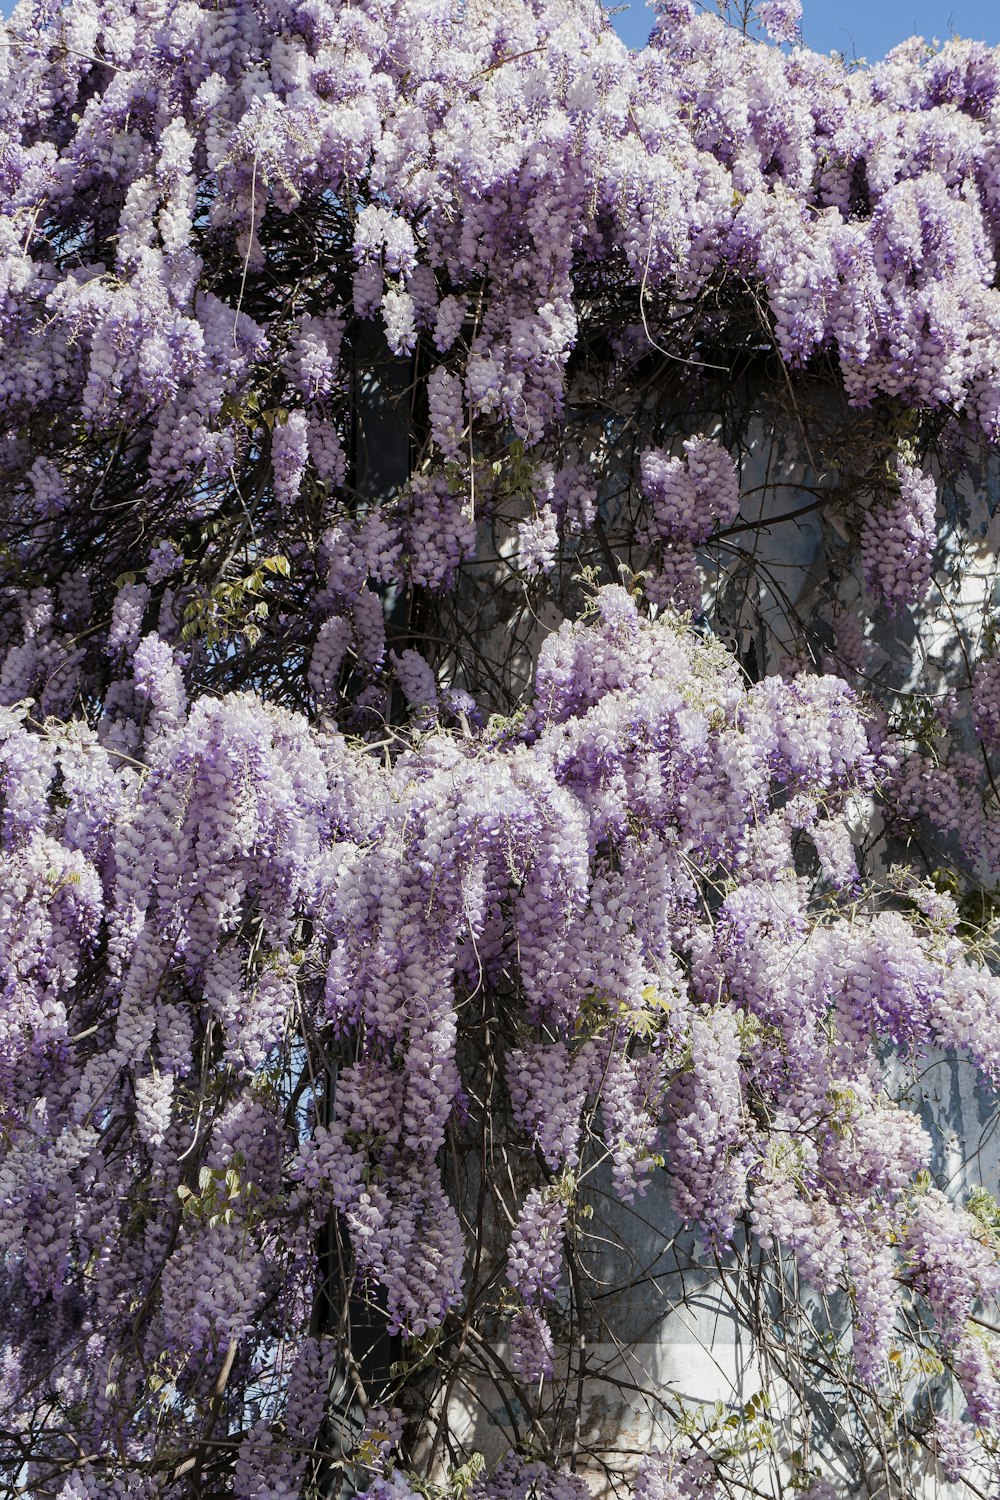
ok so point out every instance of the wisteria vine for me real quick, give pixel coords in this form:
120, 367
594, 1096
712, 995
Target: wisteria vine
399, 878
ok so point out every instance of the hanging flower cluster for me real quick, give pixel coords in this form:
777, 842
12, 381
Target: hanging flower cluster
330, 1003
243, 881
385, 148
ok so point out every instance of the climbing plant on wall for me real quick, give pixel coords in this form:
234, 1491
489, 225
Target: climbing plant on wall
442, 802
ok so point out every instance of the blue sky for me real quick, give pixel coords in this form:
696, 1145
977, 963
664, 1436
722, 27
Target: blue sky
862, 28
